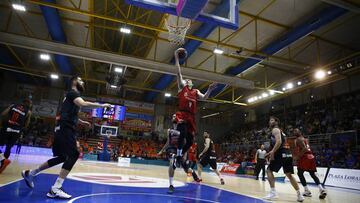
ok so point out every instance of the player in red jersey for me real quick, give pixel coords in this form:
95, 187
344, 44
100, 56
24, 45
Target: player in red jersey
306, 162
185, 117
193, 155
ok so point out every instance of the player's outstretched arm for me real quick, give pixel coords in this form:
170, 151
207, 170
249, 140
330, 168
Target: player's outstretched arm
165, 146
180, 80
205, 96
82, 103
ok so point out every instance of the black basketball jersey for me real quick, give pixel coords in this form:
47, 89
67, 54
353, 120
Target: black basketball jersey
211, 149
284, 147
69, 110
17, 116
173, 139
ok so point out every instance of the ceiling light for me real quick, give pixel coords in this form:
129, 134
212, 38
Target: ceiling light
320, 74
260, 97
289, 85
118, 70
255, 98
284, 88
299, 83
54, 76
167, 95
113, 86
19, 7
125, 30
250, 100
272, 92
329, 72
45, 57
264, 95
218, 51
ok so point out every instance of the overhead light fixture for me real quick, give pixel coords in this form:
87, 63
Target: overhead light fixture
273, 107
264, 95
113, 86
118, 70
125, 30
260, 97
299, 83
54, 76
167, 94
272, 92
250, 100
19, 7
289, 85
284, 88
320, 74
218, 51
255, 98
45, 57
329, 72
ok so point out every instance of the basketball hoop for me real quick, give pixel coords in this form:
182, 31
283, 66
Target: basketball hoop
177, 27
108, 134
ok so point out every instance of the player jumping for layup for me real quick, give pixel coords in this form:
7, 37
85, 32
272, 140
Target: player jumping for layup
171, 147
65, 146
306, 162
280, 156
185, 117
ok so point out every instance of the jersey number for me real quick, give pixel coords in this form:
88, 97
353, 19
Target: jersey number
14, 117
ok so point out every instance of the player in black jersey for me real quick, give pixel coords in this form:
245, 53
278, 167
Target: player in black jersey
15, 119
65, 148
171, 149
208, 156
280, 156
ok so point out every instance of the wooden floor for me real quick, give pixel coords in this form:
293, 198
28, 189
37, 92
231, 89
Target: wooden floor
244, 186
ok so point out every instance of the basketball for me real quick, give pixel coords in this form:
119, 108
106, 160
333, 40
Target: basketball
182, 53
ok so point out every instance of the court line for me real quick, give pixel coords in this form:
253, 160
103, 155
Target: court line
135, 193
233, 192
2, 185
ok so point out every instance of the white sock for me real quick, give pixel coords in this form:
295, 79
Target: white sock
34, 172
306, 188
2, 157
171, 180
321, 187
58, 183
179, 152
273, 190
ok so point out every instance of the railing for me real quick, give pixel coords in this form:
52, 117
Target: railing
314, 140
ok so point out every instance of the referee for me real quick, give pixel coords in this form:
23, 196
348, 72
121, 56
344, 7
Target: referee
260, 162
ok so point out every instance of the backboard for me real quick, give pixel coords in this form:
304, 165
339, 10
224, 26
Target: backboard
108, 131
224, 13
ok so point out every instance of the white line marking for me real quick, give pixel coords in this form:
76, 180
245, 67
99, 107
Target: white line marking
146, 194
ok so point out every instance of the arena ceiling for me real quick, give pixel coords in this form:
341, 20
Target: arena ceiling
95, 25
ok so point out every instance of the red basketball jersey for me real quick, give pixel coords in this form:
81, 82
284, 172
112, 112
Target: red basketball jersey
188, 100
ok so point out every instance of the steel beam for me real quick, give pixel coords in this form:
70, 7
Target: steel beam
107, 57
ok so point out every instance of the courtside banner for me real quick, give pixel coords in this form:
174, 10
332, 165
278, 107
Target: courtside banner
345, 178
230, 168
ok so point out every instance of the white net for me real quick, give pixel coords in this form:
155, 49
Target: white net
177, 27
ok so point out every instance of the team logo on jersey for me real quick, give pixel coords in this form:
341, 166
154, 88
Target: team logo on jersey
123, 180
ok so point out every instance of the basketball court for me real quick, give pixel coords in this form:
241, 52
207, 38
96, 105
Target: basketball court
106, 182
256, 51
